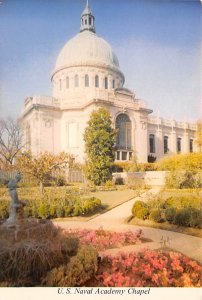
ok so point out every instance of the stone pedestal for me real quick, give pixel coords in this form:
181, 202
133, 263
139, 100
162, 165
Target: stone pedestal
17, 228
26, 229
16, 215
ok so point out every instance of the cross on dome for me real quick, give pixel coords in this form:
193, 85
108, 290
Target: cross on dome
87, 19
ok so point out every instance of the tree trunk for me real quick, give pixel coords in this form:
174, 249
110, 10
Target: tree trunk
41, 187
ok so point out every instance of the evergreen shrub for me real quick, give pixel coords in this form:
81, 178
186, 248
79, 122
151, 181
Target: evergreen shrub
49, 207
196, 218
137, 206
142, 213
80, 269
4, 209
184, 179
183, 209
182, 217
60, 213
99, 138
170, 213
156, 215
26, 262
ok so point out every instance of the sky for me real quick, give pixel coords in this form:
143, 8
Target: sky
157, 43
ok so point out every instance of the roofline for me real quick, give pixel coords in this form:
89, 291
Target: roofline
93, 101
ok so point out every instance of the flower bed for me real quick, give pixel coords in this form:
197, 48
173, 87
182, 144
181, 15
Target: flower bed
102, 239
148, 268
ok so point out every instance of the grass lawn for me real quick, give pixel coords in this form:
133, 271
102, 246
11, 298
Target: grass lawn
112, 199
165, 226
109, 198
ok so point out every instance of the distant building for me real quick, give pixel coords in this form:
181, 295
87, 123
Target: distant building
87, 76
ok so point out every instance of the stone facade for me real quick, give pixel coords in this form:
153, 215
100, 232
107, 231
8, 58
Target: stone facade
87, 76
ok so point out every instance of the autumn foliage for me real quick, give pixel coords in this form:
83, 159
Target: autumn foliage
42, 166
181, 162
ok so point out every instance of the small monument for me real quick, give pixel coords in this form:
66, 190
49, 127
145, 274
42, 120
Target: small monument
17, 227
16, 214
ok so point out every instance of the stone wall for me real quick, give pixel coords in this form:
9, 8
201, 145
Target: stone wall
150, 178
155, 178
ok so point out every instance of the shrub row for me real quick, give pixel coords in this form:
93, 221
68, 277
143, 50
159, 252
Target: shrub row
189, 162
134, 167
57, 208
182, 213
184, 179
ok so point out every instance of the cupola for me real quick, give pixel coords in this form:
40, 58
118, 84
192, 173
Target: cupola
87, 19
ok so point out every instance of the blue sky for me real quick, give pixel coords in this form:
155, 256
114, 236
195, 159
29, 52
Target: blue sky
157, 44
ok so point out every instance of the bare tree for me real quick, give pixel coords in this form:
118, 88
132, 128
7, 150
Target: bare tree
11, 140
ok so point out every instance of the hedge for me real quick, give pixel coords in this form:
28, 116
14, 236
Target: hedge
72, 205
180, 210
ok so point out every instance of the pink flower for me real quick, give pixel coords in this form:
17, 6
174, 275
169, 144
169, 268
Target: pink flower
148, 270
103, 239
155, 279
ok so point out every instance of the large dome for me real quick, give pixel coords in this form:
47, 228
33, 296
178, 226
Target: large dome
87, 49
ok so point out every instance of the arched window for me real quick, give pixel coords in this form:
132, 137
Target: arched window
90, 21
67, 82
152, 143
86, 80
123, 124
76, 80
113, 83
96, 81
106, 82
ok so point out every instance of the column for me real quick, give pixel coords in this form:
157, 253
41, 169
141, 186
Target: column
185, 142
141, 141
173, 144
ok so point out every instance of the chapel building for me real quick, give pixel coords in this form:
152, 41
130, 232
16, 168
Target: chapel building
87, 76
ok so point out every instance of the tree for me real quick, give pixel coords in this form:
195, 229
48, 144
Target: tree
99, 137
42, 166
199, 135
11, 141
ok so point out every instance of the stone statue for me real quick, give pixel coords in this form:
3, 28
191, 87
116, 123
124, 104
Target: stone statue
16, 207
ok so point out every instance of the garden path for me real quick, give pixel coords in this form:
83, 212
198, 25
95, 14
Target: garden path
114, 220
